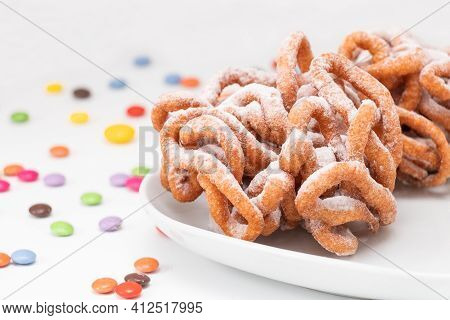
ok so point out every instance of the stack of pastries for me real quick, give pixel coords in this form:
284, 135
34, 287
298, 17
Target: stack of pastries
317, 144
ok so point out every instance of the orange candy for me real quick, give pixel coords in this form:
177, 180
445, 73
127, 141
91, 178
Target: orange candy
12, 170
104, 285
59, 151
146, 265
129, 290
190, 82
4, 259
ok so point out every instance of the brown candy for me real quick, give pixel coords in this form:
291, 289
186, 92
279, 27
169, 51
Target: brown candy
139, 278
40, 210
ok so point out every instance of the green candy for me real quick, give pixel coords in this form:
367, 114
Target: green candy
61, 229
140, 171
19, 117
91, 198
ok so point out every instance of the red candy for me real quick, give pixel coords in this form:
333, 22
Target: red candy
128, 290
28, 175
4, 185
134, 183
136, 111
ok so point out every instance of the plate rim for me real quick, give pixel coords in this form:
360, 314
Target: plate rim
302, 256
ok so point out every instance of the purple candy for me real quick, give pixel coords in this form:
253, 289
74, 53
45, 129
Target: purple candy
118, 179
54, 180
109, 224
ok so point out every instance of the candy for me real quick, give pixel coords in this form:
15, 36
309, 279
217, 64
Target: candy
104, 285
4, 185
54, 180
28, 175
172, 79
128, 290
140, 171
40, 210
141, 279
110, 224
23, 257
91, 198
79, 117
190, 82
81, 93
19, 117
117, 84
54, 87
12, 170
119, 179
4, 260
59, 151
61, 228
142, 61
135, 111
146, 264
134, 183
119, 133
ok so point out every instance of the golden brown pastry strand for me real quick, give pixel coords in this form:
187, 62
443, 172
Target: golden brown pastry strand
321, 68
295, 51
427, 129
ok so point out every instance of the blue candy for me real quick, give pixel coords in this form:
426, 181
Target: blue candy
172, 78
23, 256
142, 61
117, 84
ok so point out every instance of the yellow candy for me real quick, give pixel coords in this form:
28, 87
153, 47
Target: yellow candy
119, 133
79, 117
54, 87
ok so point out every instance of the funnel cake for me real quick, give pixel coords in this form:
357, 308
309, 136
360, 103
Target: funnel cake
318, 144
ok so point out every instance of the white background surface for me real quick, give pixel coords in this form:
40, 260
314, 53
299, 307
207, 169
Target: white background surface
190, 37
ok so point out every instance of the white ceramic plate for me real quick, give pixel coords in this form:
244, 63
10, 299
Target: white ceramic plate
407, 260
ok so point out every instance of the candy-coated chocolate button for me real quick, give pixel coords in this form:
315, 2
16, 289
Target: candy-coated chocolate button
146, 264
79, 117
110, 224
134, 183
128, 290
141, 279
119, 179
20, 117
91, 198
135, 111
54, 180
140, 171
28, 175
4, 185
61, 228
54, 87
81, 93
59, 151
142, 61
12, 170
23, 256
40, 210
104, 285
190, 82
119, 133
4, 259
172, 79
117, 84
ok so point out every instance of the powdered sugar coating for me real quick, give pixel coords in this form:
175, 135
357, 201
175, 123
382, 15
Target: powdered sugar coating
230, 76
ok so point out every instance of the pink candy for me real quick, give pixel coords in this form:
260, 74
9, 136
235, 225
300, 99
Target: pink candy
4, 186
28, 175
134, 183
